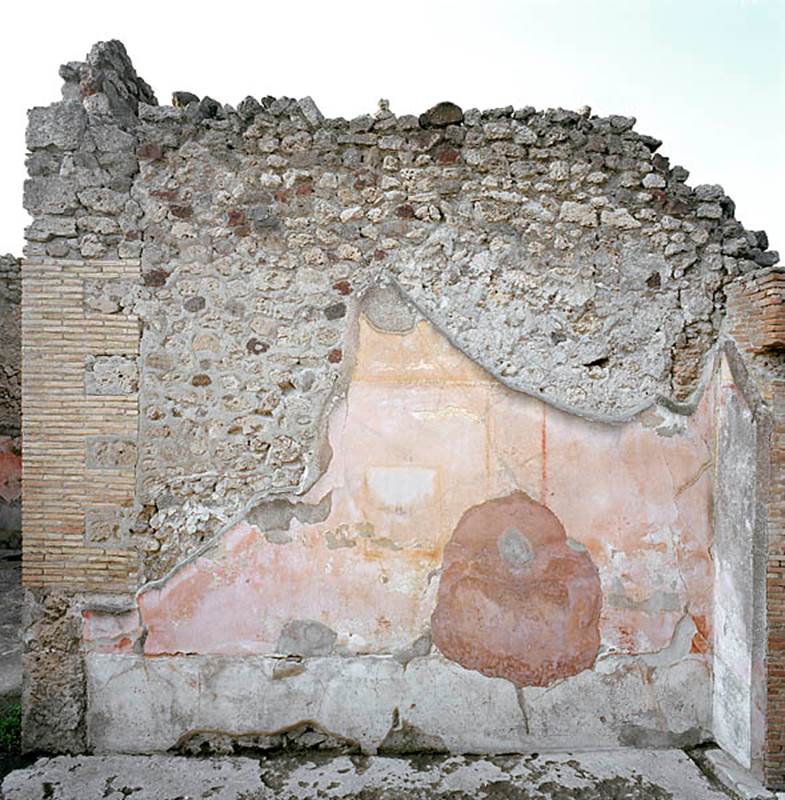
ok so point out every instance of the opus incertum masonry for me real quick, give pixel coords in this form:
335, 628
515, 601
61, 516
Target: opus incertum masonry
461, 432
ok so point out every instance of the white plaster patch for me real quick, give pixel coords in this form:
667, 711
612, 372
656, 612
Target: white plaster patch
401, 488
146, 705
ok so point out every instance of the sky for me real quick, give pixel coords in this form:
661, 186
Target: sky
705, 76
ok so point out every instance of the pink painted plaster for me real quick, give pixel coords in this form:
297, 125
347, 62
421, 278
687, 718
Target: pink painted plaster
422, 435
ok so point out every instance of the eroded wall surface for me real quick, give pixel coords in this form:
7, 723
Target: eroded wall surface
388, 433
557, 249
463, 531
10, 403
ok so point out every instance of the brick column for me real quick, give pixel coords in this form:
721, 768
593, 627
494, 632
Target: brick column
79, 428
756, 321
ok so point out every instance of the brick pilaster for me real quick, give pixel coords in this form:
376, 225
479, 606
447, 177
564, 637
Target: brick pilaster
756, 321
62, 488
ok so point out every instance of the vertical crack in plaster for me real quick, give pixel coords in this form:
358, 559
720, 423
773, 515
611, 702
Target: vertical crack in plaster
520, 694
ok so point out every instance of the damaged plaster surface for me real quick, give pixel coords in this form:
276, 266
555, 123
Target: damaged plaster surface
359, 340
54, 696
339, 600
558, 249
738, 553
642, 775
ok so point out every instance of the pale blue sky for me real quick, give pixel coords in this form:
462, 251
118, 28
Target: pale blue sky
705, 76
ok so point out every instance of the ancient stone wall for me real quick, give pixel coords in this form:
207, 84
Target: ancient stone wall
554, 248
374, 385
10, 402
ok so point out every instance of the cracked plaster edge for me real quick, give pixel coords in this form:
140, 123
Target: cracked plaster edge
527, 699
316, 469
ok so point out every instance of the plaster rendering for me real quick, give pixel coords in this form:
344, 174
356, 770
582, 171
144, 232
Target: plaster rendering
411, 567
393, 434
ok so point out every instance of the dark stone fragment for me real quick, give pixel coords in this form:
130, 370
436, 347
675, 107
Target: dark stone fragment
502, 113
255, 347
620, 123
182, 99
660, 163
654, 281
421, 141
676, 207
335, 355
194, 304
343, 287
201, 380
442, 115
209, 108
679, 174
43, 164
446, 154
71, 72
164, 194
762, 239
335, 311
181, 212
236, 218
595, 144
248, 108
405, 212
155, 278
262, 218
524, 113
767, 259
650, 142
557, 337
149, 152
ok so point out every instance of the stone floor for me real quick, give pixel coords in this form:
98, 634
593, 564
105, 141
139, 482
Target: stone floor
10, 625
619, 775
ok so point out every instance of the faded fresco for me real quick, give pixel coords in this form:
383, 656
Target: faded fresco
524, 541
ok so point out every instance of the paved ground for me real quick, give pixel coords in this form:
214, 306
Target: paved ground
621, 775
10, 625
